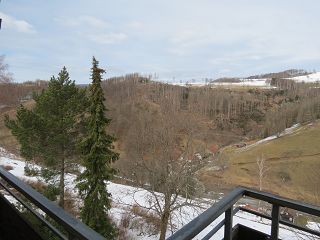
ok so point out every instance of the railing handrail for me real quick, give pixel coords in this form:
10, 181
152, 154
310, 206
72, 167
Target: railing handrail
282, 201
194, 227
75, 228
79, 230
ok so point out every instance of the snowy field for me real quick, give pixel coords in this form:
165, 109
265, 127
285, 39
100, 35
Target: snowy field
244, 82
258, 83
125, 197
310, 78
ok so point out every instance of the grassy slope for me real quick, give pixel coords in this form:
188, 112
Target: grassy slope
293, 163
6, 139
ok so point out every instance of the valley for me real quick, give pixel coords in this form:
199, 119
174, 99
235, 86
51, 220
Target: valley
169, 120
133, 210
215, 121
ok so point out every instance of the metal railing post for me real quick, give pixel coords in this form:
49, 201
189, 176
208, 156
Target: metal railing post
228, 224
75, 228
225, 206
275, 222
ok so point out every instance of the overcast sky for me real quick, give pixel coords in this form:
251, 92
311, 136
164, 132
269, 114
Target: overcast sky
179, 39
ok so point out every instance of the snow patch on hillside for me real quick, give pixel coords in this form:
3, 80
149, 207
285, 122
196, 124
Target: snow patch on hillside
17, 168
5, 153
260, 83
285, 132
310, 78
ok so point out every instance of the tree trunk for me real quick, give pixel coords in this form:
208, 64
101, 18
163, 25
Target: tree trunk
164, 223
61, 184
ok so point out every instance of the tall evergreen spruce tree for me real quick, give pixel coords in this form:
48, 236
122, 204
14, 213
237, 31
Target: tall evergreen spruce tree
49, 131
96, 149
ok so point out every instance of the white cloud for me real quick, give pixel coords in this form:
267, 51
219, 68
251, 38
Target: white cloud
195, 37
109, 38
135, 24
83, 21
184, 36
177, 51
18, 25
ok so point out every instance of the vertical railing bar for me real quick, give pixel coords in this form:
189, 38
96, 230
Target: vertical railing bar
33, 212
214, 230
275, 222
228, 224
70, 223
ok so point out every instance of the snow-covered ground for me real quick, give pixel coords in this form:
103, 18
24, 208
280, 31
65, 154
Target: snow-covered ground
245, 82
125, 197
184, 84
310, 78
287, 131
260, 83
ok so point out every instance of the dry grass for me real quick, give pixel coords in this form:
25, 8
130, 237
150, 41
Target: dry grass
150, 218
7, 167
69, 199
37, 185
70, 204
124, 225
290, 160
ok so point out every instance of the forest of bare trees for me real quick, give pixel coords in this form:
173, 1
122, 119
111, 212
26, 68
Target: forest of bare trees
252, 113
163, 128
12, 93
5, 75
235, 114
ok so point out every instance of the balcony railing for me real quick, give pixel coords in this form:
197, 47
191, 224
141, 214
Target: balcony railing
13, 224
226, 206
10, 219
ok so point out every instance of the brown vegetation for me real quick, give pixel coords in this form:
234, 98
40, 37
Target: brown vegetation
69, 204
290, 168
222, 116
69, 200
7, 167
39, 186
5, 75
123, 227
12, 94
150, 218
219, 117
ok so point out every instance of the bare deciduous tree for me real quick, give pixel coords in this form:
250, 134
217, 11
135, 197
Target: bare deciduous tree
5, 76
262, 169
165, 163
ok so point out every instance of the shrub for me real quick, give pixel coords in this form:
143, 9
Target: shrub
48, 174
30, 171
125, 220
150, 218
51, 192
124, 225
7, 167
69, 204
36, 185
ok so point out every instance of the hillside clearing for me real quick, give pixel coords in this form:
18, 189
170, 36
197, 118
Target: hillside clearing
292, 163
